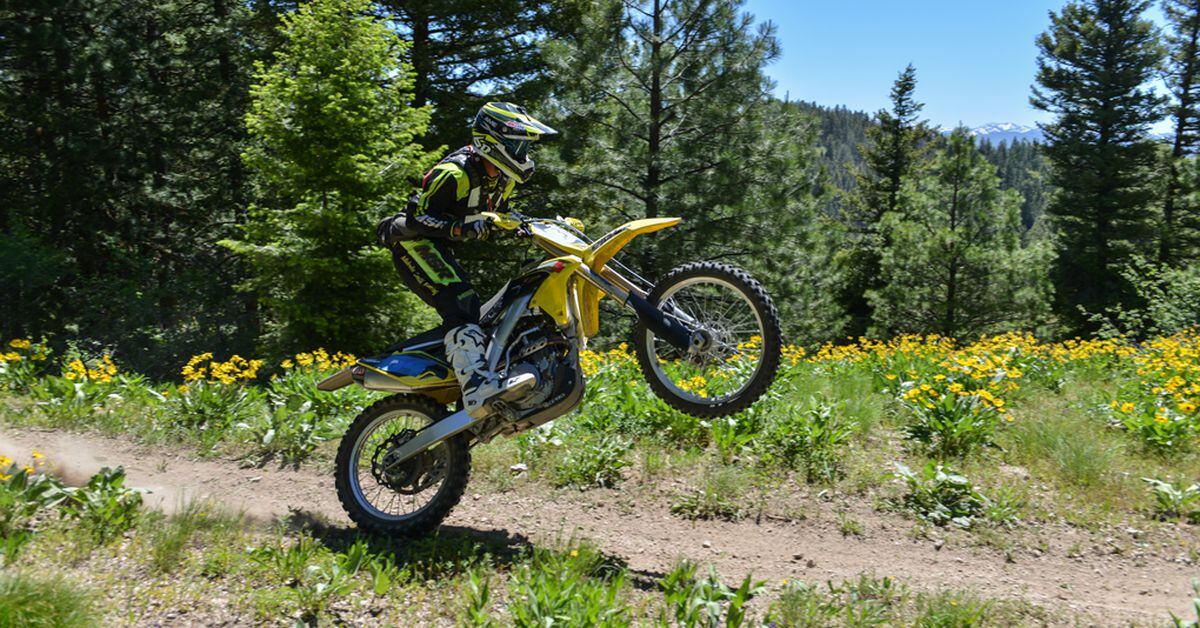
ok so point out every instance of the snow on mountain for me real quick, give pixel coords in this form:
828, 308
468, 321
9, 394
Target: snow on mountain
997, 132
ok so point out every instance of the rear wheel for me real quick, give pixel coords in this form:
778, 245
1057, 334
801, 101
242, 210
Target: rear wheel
410, 498
740, 356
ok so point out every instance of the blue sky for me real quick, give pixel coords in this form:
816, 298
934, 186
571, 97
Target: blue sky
975, 59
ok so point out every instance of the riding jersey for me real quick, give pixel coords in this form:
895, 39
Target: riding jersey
456, 188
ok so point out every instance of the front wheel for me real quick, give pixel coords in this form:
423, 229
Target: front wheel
409, 498
741, 353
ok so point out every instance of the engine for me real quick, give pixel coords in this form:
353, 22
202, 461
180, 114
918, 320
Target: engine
545, 355
539, 349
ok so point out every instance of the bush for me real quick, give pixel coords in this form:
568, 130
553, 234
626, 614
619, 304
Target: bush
720, 496
575, 587
1175, 502
28, 601
291, 431
105, 506
23, 492
592, 461
691, 601
810, 441
22, 362
952, 423
940, 496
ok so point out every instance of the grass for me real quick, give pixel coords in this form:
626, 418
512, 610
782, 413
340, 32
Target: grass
830, 431
874, 601
49, 601
721, 495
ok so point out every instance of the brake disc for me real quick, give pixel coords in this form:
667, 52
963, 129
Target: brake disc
412, 476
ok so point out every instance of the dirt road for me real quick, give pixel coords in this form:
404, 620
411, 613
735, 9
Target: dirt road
1075, 570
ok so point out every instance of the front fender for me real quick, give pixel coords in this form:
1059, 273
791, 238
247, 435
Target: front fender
553, 295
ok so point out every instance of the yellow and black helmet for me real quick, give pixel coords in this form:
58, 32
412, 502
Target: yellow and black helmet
502, 133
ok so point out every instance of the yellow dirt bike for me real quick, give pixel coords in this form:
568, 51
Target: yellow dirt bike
403, 463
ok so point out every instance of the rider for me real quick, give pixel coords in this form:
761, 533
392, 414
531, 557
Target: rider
475, 178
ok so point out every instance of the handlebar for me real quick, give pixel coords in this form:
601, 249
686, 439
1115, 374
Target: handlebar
519, 223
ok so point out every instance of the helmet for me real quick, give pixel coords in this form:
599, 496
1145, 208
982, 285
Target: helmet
502, 133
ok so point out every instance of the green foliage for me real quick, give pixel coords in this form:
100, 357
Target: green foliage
951, 261
23, 493
690, 601
120, 172
170, 538
940, 496
811, 440
731, 436
620, 86
1173, 501
326, 116
1179, 232
104, 505
575, 586
868, 601
1102, 211
478, 598
721, 495
290, 431
893, 153
209, 409
1168, 301
952, 425
592, 460
29, 601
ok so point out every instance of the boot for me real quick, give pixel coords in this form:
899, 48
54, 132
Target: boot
465, 347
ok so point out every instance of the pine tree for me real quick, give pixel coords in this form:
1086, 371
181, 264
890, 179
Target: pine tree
1095, 64
893, 154
664, 108
953, 262
1179, 237
465, 52
327, 115
1022, 167
120, 172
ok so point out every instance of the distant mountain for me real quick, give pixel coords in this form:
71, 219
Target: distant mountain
998, 132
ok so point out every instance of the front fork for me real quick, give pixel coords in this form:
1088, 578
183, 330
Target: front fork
678, 329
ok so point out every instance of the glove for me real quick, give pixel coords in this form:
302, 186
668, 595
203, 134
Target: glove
474, 230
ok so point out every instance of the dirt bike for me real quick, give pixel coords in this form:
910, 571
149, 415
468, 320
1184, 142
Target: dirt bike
403, 463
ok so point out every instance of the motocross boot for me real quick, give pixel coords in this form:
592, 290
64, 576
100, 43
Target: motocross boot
465, 347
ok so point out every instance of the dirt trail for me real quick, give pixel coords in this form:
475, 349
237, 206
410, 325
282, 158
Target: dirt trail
1115, 589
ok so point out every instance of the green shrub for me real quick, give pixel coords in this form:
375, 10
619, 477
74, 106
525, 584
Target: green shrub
291, 431
691, 601
573, 587
22, 363
1175, 502
953, 424
28, 601
592, 460
721, 495
22, 494
950, 610
105, 506
811, 441
299, 385
209, 409
940, 496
